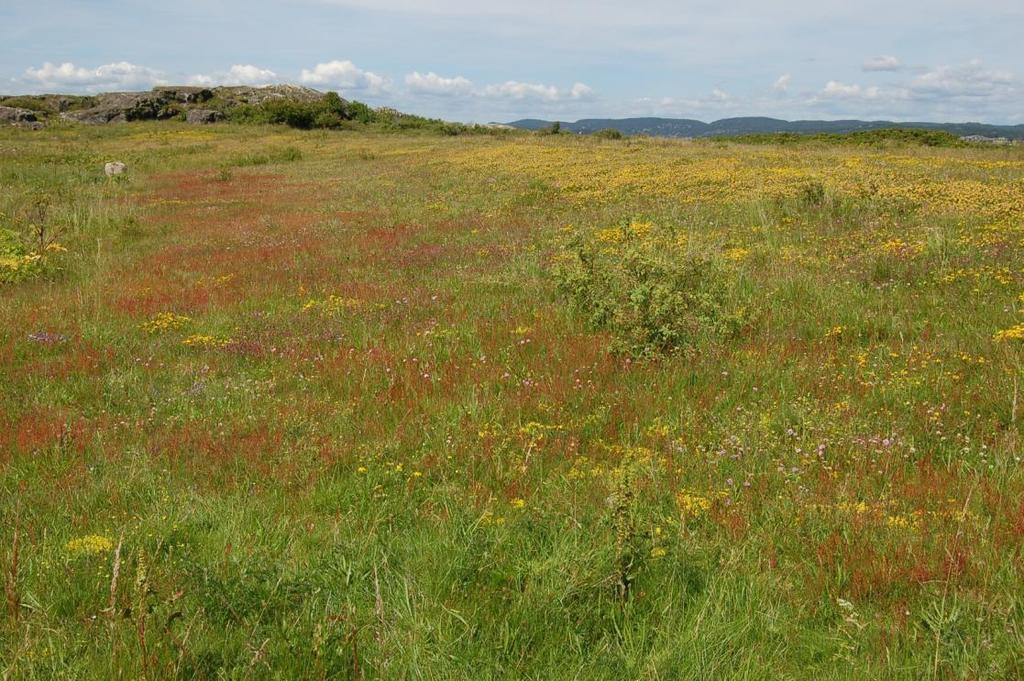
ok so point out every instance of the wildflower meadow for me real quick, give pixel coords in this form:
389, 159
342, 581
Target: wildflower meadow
342, 405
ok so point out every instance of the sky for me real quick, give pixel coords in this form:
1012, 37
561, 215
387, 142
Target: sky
478, 61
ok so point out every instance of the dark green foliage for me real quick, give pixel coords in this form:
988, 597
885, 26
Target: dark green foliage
554, 129
357, 111
609, 134
333, 113
882, 137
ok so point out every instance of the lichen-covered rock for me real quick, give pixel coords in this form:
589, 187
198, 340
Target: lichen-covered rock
117, 107
13, 114
115, 168
203, 116
184, 94
171, 101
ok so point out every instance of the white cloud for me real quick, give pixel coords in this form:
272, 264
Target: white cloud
941, 93
882, 63
836, 90
519, 91
581, 91
68, 77
247, 74
972, 79
238, 74
781, 83
433, 84
345, 76
514, 89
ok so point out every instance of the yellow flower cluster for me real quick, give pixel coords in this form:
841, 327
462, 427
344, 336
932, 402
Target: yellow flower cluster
204, 341
1014, 333
334, 304
901, 249
692, 505
14, 266
89, 545
736, 254
165, 321
835, 332
615, 235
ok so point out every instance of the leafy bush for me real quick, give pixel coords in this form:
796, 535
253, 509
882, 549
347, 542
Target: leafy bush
648, 288
17, 263
609, 134
328, 120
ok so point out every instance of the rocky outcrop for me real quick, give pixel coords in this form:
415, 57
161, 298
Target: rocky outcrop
184, 94
127, 106
114, 168
203, 116
244, 94
171, 101
12, 114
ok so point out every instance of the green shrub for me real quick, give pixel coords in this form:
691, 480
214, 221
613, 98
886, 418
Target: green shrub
644, 285
329, 120
609, 134
17, 262
357, 111
291, 113
250, 160
553, 129
877, 138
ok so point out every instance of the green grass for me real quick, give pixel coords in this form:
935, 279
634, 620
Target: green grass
379, 439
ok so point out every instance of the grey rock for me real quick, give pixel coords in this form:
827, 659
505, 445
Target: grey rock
115, 168
12, 114
244, 94
203, 116
171, 101
117, 107
184, 94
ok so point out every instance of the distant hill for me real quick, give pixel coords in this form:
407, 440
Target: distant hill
752, 125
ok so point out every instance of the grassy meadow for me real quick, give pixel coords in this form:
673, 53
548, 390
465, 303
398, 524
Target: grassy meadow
281, 404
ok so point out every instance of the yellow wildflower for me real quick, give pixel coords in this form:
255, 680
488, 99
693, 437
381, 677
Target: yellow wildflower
89, 545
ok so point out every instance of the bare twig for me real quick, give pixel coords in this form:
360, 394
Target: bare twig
11, 583
115, 572
378, 604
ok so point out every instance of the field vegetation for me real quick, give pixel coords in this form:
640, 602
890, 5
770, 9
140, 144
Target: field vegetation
354, 404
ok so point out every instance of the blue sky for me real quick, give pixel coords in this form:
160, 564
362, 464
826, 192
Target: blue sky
949, 60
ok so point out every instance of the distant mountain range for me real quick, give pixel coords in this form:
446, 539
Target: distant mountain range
685, 127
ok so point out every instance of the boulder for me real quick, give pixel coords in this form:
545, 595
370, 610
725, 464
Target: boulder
115, 168
12, 114
203, 116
